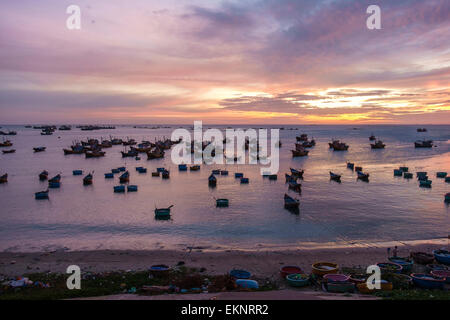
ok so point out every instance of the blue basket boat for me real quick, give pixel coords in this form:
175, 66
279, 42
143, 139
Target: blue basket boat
425, 183
442, 256
441, 174
240, 274
132, 188
398, 172
244, 180
247, 284
427, 281
119, 189
77, 172
406, 263
41, 195
238, 174
297, 279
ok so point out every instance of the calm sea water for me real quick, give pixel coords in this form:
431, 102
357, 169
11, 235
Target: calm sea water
78, 217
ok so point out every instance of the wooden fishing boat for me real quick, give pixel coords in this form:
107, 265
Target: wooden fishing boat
378, 145
447, 197
287, 270
163, 213
129, 142
441, 174
350, 165
87, 180
425, 183
109, 175
390, 267
372, 137
442, 256
165, 174
94, 154
39, 149
323, 268
398, 172
297, 279
295, 186
56, 178
119, 189
4, 178
297, 173
424, 144
132, 188
363, 176
155, 174
9, 151
194, 167
157, 154
297, 153
422, 257
222, 202
129, 154
302, 137
335, 177
427, 281
336, 145
291, 203
6, 143
244, 180
77, 172
358, 168
125, 177
41, 195
332, 143
43, 175
212, 180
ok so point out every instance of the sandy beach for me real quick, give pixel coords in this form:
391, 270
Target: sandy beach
262, 263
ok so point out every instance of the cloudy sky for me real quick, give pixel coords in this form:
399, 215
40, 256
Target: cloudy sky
246, 61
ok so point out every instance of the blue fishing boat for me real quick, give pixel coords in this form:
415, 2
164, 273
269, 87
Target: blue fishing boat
138, 168
350, 165
244, 180
427, 281
87, 180
119, 189
404, 169
77, 172
240, 274
222, 203
442, 256
398, 172
182, 167
408, 175
215, 171
247, 284
422, 178
405, 262
39, 149
122, 169
160, 169
420, 173
132, 188
43, 175
425, 183
441, 174
163, 213
212, 180
223, 172
54, 184
125, 177
41, 195
297, 173
390, 267
291, 203
115, 171
447, 197
335, 177
363, 176
165, 174
109, 175
238, 174
142, 170
294, 185
447, 179
297, 279
290, 178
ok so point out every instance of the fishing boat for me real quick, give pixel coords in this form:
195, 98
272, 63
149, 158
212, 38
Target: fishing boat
160, 169
299, 153
240, 274
109, 175
163, 213
447, 197
9, 151
323, 268
125, 177
297, 173
442, 256
94, 154
43, 175
444, 274
165, 174
115, 170
332, 143
273, 177
55, 182
122, 169
404, 169
336, 145
425, 183
4, 178
358, 168
422, 130
287, 270
290, 177
427, 281
74, 150
39, 149
408, 175
87, 180
350, 165
398, 173
421, 173
129, 142
182, 167
363, 176
441, 174
77, 172
132, 188
155, 174
212, 180
222, 202
194, 167
422, 257
129, 154
142, 170
223, 172
405, 262
41, 195
422, 178
244, 180
291, 203
297, 279
156, 154
372, 137
390, 267
295, 186
119, 189
302, 137
423, 144
215, 171
6, 143
335, 177
378, 145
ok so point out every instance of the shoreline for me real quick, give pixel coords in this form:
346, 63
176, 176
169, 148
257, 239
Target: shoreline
261, 262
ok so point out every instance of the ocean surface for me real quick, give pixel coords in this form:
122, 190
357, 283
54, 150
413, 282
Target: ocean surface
78, 217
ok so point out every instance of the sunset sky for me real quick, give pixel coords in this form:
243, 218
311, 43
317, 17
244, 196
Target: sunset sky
246, 61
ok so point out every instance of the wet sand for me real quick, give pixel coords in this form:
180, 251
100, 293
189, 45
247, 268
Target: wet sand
263, 264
